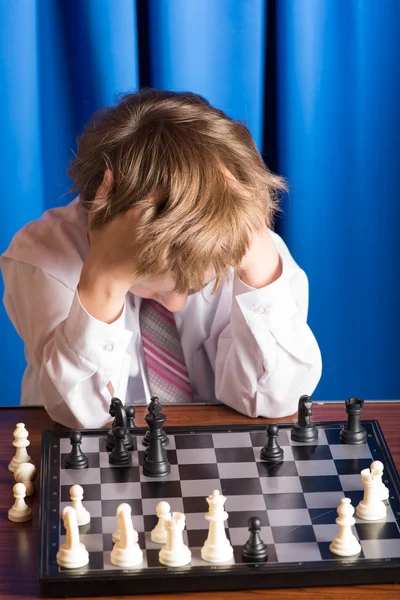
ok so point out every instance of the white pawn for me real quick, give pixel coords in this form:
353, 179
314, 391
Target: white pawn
217, 548
345, 543
175, 553
371, 507
72, 554
76, 495
20, 443
377, 472
159, 534
19, 512
126, 552
26, 473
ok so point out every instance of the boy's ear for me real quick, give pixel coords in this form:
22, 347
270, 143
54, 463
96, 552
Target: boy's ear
102, 195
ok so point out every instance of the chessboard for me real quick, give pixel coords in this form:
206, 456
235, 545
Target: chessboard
295, 499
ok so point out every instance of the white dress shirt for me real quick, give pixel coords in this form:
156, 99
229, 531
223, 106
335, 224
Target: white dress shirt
248, 348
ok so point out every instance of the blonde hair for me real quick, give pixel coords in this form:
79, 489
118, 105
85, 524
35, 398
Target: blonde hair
196, 174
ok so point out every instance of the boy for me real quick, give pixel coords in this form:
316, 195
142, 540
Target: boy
162, 277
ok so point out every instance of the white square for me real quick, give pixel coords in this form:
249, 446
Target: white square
196, 456
120, 491
294, 516
239, 439
315, 467
237, 470
280, 485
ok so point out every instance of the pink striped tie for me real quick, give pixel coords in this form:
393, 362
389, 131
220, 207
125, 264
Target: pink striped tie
168, 376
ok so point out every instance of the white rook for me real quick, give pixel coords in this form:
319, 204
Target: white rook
217, 548
175, 553
371, 507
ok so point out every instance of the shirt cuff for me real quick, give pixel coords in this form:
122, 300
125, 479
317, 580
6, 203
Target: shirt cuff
101, 343
276, 297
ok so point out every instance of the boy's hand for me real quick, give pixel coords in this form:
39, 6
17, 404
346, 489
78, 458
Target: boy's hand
261, 264
107, 273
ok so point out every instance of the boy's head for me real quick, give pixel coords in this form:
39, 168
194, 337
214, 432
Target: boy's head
196, 174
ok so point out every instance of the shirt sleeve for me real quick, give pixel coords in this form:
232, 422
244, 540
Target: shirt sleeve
73, 354
267, 356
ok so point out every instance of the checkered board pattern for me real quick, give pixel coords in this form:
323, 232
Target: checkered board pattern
295, 499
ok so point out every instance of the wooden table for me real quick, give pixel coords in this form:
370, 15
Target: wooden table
19, 543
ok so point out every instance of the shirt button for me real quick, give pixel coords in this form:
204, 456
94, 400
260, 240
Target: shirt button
108, 347
260, 310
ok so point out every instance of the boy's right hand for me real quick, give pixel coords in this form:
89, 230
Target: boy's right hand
107, 273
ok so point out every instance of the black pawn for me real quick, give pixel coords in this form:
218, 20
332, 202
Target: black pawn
76, 459
130, 411
119, 455
156, 461
272, 452
254, 549
353, 432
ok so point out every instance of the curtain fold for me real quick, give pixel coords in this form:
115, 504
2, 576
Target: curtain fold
318, 83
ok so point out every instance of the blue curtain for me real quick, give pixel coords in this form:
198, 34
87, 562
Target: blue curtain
317, 81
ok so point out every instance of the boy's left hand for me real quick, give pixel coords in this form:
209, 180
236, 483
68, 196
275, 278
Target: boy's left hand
261, 264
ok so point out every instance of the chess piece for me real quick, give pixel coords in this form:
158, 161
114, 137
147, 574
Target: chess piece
345, 543
154, 409
159, 534
72, 554
120, 455
304, 430
371, 507
21, 443
175, 553
353, 432
76, 459
117, 410
26, 473
130, 412
254, 550
19, 512
217, 548
76, 495
126, 552
377, 473
272, 452
156, 461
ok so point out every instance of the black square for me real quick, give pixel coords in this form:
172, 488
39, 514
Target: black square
171, 456
355, 497
321, 483
109, 507
93, 458
352, 466
240, 518
200, 471
333, 435
271, 558
284, 501
323, 516
193, 441
96, 561
107, 542
281, 469
259, 438
150, 521
92, 491
195, 504
152, 558
161, 489
234, 455
378, 531
311, 452
287, 534
119, 474
237, 487
327, 554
